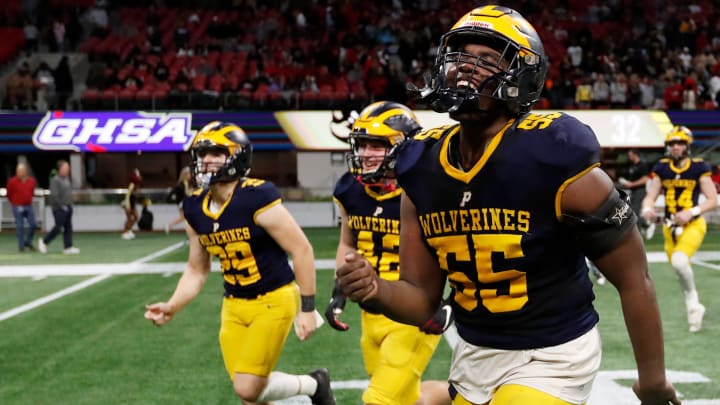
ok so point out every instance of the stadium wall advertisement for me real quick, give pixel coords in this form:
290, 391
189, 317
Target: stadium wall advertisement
317, 137
303, 130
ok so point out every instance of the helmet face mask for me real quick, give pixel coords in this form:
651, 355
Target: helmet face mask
513, 74
221, 152
375, 136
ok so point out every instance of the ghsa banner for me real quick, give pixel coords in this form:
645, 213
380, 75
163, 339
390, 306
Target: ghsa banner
121, 131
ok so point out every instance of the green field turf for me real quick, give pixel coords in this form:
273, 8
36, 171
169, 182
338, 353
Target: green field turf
93, 346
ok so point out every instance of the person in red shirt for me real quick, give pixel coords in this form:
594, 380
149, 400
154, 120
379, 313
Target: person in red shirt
20, 189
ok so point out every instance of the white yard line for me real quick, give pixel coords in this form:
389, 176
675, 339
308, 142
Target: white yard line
52, 297
76, 287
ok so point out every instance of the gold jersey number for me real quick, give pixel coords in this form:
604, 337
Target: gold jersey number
385, 261
237, 256
467, 291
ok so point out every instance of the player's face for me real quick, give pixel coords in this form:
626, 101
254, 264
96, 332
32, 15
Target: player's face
372, 154
212, 161
677, 149
471, 72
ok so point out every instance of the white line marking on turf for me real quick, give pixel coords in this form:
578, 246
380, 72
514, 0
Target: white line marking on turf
52, 297
606, 391
706, 264
79, 286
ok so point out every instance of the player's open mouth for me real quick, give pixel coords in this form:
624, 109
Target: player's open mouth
467, 85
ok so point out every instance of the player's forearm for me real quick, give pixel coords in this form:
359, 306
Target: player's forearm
642, 317
304, 266
403, 302
190, 284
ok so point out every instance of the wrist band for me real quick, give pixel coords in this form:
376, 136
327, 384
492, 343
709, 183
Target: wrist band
645, 210
307, 303
695, 211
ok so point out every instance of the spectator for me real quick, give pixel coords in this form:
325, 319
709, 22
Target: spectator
647, 95
19, 88
99, 21
182, 38
132, 197
58, 30
20, 189
31, 37
182, 189
619, 91
45, 84
584, 94
62, 208
689, 94
63, 82
601, 91
674, 95
637, 177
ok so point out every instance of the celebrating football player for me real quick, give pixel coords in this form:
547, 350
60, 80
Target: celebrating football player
506, 205
395, 354
682, 180
242, 222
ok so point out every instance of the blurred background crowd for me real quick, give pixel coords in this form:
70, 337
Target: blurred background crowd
310, 54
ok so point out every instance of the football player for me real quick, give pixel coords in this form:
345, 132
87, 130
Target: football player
242, 222
506, 205
395, 354
682, 179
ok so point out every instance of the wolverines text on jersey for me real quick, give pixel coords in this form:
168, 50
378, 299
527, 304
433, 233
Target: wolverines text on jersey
374, 221
519, 281
251, 261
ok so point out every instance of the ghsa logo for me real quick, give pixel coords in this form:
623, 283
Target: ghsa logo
114, 131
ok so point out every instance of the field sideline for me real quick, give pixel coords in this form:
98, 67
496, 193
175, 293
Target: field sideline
84, 339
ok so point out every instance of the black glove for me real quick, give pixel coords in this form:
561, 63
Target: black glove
442, 319
335, 309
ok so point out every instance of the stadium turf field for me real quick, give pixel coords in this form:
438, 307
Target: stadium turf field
92, 346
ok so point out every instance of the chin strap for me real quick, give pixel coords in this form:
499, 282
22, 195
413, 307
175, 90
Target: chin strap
384, 187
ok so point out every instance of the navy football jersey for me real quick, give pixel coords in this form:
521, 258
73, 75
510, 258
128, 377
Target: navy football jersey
251, 261
374, 221
519, 280
681, 186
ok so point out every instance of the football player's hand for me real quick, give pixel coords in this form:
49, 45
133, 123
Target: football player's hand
335, 309
660, 395
439, 322
305, 324
357, 278
683, 217
159, 313
648, 214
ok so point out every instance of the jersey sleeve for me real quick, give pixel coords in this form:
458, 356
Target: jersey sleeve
264, 194
656, 167
705, 169
342, 187
575, 145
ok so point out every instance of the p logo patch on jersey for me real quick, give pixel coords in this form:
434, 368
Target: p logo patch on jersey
216, 226
467, 195
378, 211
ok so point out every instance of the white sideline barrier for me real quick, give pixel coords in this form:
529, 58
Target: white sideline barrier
112, 217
